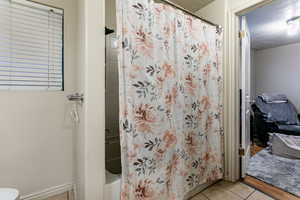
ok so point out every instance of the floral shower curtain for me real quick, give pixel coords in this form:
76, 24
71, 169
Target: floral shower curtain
170, 72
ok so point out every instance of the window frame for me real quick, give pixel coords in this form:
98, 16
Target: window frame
39, 5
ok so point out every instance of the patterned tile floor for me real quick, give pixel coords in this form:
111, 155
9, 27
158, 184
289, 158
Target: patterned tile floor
231, 191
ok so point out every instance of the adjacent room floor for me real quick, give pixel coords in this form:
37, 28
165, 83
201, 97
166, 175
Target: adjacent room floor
274, 175
269, 189
263, 186
278, 171
255, 149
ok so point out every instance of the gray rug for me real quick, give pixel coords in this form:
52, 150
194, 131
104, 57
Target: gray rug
280, 172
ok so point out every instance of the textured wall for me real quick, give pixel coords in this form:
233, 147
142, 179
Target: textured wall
277, 70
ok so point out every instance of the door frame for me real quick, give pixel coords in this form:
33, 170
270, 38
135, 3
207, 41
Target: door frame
90, 140
232, 86
245, 91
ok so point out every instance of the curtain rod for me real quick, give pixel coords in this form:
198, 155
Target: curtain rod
190, 13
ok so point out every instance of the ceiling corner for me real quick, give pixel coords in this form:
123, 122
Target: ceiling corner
192, 5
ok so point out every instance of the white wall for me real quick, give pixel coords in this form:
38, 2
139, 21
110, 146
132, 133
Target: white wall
235, 3
215, 12
277, 70
36, 144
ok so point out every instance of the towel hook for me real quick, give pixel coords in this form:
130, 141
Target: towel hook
76, 97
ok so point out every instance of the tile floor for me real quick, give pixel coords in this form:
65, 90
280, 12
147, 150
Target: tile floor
231, 191
220, 191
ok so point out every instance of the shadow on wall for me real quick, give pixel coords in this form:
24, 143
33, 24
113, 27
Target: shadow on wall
112, 138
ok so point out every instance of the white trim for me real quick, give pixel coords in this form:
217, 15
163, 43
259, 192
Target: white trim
248, 6
231, 104
232, 82
94, 107
247, 155
48, 192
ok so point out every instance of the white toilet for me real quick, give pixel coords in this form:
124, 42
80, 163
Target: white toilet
9, 194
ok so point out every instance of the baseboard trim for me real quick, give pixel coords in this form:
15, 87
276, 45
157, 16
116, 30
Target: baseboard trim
41, 195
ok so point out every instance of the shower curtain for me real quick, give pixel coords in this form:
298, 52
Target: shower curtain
170, 74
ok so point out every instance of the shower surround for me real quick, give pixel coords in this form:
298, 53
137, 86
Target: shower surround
171, 112
112, 135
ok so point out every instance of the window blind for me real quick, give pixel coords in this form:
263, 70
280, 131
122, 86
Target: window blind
31, 46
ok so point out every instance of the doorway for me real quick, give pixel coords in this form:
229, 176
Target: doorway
268, 37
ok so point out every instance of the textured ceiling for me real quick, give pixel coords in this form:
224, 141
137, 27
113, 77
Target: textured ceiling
268, 25
192, 5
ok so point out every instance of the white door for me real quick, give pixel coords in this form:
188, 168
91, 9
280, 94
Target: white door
246, 93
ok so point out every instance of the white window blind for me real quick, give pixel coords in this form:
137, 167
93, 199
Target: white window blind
31, 46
